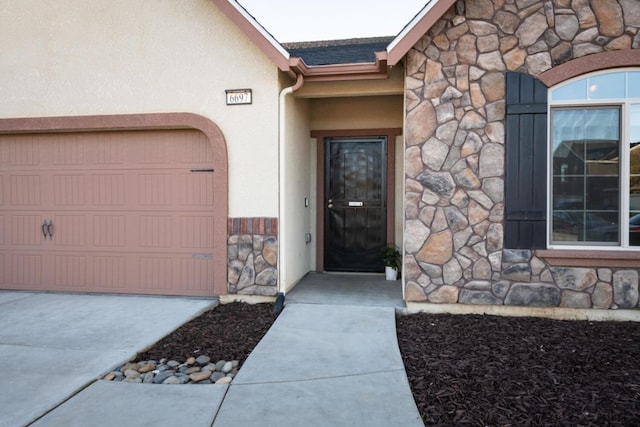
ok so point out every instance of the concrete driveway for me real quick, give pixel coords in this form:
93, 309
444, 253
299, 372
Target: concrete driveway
52, 345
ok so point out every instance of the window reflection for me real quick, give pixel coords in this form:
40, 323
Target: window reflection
607, 86
586, 170
615, 85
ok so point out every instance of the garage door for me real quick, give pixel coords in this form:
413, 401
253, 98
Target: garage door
123, 212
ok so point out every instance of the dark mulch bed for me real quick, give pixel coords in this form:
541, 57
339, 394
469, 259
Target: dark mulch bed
228, 332
472, 370
498, 371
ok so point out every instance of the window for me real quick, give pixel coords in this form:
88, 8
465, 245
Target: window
595, 161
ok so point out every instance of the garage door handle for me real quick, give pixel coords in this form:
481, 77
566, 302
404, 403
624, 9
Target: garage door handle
47, 229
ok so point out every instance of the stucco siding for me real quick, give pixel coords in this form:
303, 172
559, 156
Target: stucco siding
366, 112
74, 58
296, 252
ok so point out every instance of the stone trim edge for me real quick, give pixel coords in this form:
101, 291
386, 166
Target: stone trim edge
589, 258
558, 313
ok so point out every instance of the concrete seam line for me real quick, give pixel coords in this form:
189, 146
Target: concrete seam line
213, 419
323, 378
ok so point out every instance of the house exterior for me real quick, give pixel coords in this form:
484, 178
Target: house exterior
180, 149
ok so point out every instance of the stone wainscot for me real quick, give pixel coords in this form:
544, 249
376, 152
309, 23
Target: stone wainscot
252, 252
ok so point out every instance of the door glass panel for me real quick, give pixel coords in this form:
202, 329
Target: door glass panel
634, 178
586, 175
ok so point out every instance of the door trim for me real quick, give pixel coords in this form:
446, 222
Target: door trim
320, 135
153, 121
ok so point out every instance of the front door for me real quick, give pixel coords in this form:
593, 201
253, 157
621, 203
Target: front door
355, 204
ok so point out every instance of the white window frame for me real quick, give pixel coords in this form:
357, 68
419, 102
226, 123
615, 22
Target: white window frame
625, 118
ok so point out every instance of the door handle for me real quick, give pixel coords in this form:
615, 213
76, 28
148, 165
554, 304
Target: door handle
47, 229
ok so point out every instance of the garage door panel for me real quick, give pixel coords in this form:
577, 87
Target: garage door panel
107, 151
70, 271
26, 229
155, 231
109, 231
71, 230
128, 214
25, 270
23, 152
109, 272
108, 190
199, 187
69, 190
155, 190
25, 191
196, 272
195, 150
156, 273
154, 149
68, 150
196, 232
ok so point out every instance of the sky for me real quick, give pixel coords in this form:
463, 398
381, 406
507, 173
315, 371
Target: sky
313, 20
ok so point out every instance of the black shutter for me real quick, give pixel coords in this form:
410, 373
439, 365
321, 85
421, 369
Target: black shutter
525, 163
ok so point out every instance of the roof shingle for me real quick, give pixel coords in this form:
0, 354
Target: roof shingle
333, 52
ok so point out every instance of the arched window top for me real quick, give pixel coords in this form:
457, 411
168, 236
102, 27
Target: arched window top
598, 86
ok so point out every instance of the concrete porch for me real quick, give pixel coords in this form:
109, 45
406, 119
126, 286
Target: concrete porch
348, 289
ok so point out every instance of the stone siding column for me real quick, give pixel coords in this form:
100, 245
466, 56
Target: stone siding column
252, 252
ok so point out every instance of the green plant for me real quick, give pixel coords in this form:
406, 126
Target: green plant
391, 257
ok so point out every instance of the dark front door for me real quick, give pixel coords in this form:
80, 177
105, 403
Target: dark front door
355, 204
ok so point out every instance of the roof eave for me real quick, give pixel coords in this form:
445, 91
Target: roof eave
341, 72
418, 27
255, 32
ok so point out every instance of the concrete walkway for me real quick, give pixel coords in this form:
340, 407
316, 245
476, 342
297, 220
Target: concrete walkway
319, 365
324, 365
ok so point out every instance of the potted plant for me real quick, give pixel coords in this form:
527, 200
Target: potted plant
392, 260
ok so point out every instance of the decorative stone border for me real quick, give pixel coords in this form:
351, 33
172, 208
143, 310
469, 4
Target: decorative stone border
252, 254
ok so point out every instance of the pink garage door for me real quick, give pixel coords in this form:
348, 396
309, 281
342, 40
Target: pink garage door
123, 212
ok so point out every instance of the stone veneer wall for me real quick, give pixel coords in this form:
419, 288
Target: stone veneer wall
455, 91
252, 252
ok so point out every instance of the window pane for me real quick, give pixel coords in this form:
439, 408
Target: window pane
586, 175
602, 193
634, 178
575, 90
633, 84
607, 86
568, 193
